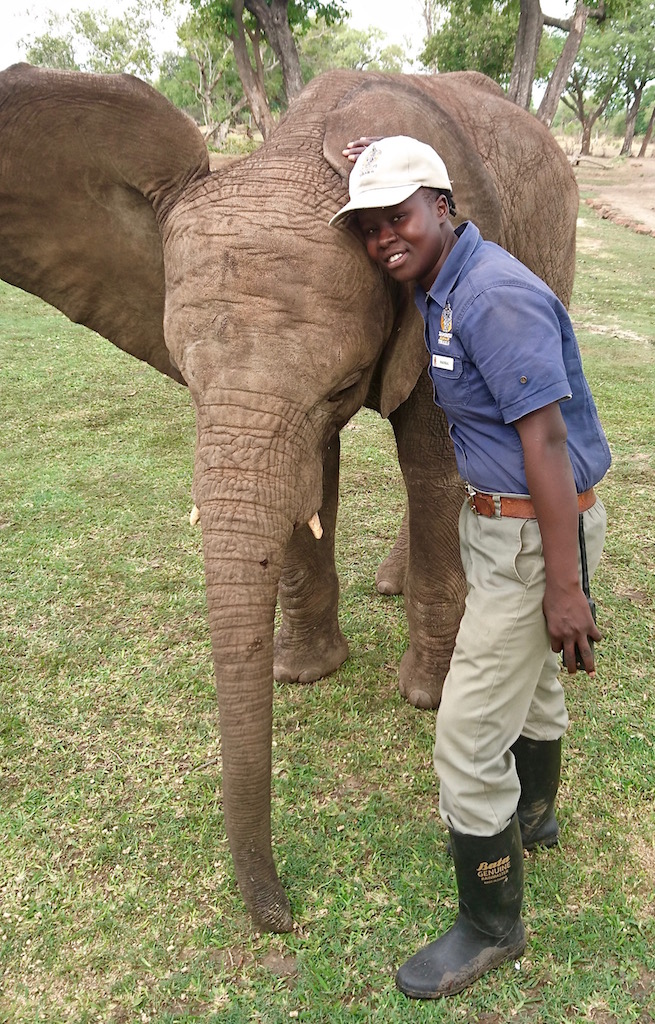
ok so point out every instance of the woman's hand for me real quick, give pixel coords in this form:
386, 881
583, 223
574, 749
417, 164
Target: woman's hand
356, 148
570, 625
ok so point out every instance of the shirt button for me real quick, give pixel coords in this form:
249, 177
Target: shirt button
523, 380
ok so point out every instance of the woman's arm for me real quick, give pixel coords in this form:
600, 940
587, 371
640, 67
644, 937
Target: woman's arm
552, 489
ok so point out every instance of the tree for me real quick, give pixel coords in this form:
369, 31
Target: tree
614, 66
589, 94
635, 46
479, 35
54, 48
472, 21
208, 64
646, 122
340, 46
529, 34
467, 41
648, 134
251, 23
575, 28
431, 11
500, 37
531, 24
96, 41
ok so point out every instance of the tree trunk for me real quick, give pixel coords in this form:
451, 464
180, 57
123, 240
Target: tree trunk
531, 23
252, 82
631, 121
274, 21
562, 71
587, 125
430, 17
585, 141
649, 134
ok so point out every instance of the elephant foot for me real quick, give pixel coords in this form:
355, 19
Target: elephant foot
390, 577
418, 682
392, 573
308, 660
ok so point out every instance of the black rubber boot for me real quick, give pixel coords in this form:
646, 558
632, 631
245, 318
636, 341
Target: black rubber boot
488, 929
538, 768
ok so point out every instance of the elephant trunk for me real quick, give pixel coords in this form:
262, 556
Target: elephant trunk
249, 504
243, 566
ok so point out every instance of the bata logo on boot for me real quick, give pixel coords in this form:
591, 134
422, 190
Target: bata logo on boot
497, 871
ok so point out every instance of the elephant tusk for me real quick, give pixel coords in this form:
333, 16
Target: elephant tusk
314, 525
194, 516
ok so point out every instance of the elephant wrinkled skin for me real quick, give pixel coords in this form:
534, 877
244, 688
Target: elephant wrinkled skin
233, 283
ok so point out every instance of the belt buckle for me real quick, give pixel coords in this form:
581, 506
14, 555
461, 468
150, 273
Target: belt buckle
470, 497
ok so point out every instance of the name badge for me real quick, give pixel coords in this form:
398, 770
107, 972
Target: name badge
443, 362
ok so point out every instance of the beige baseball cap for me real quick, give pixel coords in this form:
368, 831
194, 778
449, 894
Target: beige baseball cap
390, 171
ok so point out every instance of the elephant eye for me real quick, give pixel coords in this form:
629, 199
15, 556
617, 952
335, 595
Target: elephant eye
348, 385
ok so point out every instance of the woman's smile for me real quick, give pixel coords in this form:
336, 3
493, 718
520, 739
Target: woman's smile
410, 240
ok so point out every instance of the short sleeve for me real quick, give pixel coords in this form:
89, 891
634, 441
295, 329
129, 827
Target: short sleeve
513, 335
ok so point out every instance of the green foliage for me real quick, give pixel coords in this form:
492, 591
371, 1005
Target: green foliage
178, 74
339, 46
480, 35
116, 44
645, 110
550, 48
203, 79
54, 48
469, 41
320, 48
90, 40
601, 62
616, 59
300, 13
635, 41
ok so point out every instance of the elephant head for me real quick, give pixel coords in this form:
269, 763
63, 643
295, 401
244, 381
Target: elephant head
232, 283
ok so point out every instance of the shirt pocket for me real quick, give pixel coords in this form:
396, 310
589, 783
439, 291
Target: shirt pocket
449, 379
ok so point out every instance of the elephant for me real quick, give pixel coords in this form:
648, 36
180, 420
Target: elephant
232, 283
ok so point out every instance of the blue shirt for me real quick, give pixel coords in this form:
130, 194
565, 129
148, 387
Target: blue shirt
502, 345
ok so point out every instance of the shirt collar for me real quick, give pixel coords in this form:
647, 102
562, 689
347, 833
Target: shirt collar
468, 239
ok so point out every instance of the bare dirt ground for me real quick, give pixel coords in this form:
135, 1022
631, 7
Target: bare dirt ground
621, 190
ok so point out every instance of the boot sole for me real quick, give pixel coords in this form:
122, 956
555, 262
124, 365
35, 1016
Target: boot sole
485, 964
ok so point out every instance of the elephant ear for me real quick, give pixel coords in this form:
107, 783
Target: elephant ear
89, 164
382, 105
405, 355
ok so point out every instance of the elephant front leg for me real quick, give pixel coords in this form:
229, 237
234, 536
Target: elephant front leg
434, 589
310, 644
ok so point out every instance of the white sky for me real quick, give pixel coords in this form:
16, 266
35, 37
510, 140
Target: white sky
398, 19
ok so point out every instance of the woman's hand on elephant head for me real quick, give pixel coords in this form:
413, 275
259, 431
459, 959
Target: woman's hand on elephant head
353, 150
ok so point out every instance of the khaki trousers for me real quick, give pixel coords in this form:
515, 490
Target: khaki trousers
503, 676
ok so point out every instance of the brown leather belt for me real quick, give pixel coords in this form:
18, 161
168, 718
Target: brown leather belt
517, 508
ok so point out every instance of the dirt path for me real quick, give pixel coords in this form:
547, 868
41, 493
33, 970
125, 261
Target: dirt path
620, 190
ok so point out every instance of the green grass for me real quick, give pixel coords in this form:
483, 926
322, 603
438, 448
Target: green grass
117, 896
